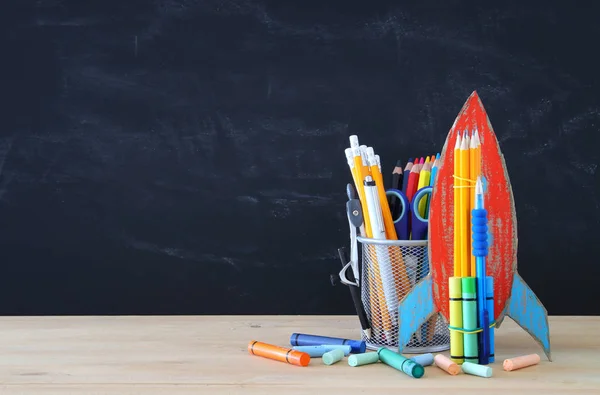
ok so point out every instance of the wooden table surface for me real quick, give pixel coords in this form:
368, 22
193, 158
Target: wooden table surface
208, 355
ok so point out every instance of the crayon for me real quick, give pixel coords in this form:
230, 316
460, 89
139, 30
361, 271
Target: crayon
423, 360
400, 363
278, 353
444, 363
303, 339
333, 356
520, 362
318, 351
477, 370
469, 316
363, 359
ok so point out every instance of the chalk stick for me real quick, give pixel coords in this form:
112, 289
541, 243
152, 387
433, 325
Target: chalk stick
318, 351
444, 363
401, 363
520, 362
363, 359
423, 360
333, 356
476, 370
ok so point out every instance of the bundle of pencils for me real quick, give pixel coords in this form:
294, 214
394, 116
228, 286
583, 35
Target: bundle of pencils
470, 290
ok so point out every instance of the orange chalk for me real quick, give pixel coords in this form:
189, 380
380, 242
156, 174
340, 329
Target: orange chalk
277, 353
444, 363
520, 362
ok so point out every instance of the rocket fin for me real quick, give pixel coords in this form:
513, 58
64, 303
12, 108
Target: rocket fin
525, 309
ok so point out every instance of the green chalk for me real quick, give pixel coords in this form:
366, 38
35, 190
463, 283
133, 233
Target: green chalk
469, 306
363, 359
477, 370
400, 363
333, 356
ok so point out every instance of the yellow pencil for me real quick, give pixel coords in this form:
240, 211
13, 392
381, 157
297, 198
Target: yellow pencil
424, 177
465, 266
473, 177
457, 267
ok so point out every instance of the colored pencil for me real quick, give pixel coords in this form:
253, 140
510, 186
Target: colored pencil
457, 266
407, 170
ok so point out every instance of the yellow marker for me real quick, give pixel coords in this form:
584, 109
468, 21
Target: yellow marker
457, 267
456, 320
465, 263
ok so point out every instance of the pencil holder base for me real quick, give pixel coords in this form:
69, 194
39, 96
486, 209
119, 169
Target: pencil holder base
390, 269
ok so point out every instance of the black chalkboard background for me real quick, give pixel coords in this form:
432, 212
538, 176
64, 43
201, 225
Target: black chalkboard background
186, 157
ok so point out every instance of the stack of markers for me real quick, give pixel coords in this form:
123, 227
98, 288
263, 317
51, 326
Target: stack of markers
471, 292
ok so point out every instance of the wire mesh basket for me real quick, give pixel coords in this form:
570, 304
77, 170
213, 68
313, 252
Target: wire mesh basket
390, 269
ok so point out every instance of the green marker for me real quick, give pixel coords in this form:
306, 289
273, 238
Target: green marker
400, 363
363, 359
469, 307
333, 356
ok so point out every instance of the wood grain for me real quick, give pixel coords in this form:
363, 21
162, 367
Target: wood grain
207, 354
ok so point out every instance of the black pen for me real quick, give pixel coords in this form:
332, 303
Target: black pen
355, 292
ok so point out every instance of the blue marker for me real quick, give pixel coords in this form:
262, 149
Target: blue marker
480, 251
303, 339
318, 351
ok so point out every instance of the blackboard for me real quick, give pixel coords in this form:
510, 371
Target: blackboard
186, 157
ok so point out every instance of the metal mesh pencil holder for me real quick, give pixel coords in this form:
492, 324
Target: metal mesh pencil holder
390, 269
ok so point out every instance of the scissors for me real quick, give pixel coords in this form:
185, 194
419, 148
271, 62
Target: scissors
410, 224
355, 220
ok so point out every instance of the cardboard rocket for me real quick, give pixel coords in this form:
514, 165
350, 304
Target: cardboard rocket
512, 296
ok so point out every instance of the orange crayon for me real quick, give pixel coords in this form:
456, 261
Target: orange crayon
520, 362
277, 353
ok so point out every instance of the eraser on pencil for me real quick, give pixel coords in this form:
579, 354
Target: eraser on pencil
476, 370
363, 359
423, 360
318, 351
444, 363
520, 362
333, 356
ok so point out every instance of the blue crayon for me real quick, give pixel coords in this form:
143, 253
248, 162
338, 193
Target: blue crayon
423, 360
489, 296
318, 351
303, 339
